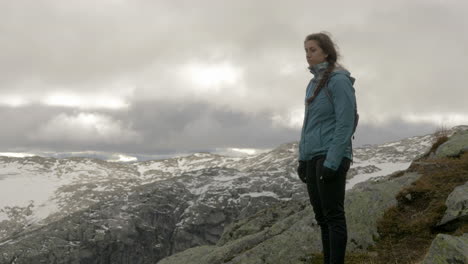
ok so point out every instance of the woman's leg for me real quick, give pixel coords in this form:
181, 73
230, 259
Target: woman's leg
332, 196
312, 188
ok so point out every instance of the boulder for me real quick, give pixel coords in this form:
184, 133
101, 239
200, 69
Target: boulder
454, 146
366, 203
457, 205
448, 249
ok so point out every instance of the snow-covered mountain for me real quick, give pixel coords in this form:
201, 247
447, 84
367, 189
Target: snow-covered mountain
35, 191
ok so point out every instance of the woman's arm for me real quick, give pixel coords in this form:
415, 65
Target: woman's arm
344, 101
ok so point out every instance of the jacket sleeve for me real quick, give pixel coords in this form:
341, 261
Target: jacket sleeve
344, 101
301, 141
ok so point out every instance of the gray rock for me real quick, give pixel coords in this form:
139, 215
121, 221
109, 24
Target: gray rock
456, 144
261, 238
457, 205
366, 203
446, 249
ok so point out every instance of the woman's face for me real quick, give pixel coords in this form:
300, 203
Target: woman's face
314, 54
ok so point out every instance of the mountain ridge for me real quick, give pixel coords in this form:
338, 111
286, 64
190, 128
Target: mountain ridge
217, 191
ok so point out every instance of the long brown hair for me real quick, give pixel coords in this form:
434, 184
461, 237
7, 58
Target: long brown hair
324, 41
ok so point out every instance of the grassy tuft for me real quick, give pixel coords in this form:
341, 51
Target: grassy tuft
441, 135
437, 142
442, 131
351, 258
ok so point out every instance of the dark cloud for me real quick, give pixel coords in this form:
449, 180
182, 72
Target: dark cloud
167, 128
197, 126
163, 127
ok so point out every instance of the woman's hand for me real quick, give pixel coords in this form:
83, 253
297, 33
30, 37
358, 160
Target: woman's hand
301, 171
327, 174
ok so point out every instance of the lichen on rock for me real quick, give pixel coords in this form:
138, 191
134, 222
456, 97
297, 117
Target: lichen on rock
455, 145
446, 249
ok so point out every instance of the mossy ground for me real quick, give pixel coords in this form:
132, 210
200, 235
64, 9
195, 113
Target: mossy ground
407, 229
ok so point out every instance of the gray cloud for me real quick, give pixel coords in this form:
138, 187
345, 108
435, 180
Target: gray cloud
408, 58
84, 128
202, 127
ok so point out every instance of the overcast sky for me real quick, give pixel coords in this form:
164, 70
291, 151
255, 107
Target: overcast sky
143, 77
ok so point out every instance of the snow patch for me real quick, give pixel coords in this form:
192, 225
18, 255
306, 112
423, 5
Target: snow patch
386, 169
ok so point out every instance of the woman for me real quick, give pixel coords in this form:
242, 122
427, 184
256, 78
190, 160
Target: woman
325, 150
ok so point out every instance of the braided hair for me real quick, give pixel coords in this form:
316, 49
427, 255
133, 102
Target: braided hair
326, 44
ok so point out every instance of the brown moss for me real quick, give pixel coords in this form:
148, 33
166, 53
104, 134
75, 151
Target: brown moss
350, 258
462, 229
407, 229
397, 174
439, 141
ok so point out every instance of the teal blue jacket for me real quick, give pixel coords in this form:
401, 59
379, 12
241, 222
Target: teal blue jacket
328, 127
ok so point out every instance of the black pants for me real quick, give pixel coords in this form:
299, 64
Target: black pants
327, 199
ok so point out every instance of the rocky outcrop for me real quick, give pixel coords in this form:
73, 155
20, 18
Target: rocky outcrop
288, 233
366, 203
260, 237
457, 205
457, 144
133, 229
446, 249
222, 195
155, 220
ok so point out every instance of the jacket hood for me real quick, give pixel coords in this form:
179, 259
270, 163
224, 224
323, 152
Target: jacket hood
318, 69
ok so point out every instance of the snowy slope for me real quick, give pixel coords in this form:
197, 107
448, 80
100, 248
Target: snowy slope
381, 160
35, 191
